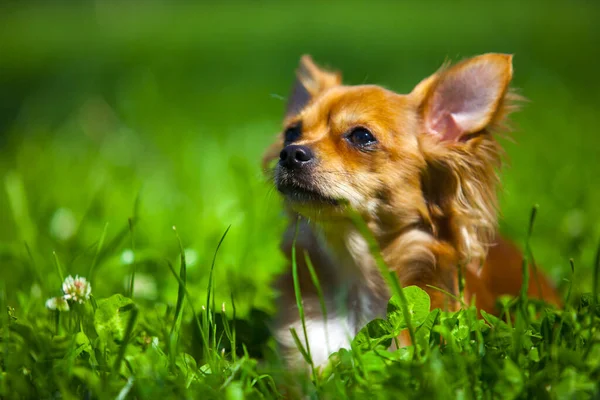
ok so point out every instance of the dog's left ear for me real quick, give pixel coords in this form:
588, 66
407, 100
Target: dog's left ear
311, 80
465, 98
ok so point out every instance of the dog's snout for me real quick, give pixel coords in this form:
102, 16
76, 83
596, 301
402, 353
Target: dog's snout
294, 156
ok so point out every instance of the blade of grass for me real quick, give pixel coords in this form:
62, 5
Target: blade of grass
5, 319
209, 316
182, 285
474, 320
461, 282
212, 268
299, 302
17, 200
557, 338
111, 247
523, 298
98, 250
230, 328
225, 320
34, 265
522, 318
596, 275
315, 281
506, 313
300, 346
231, 376
133, 263
126, 338
59, 270
190, 302
126, 389
530, 252
390, 276
177, 318
234, 334
215, 342
458, 299
360, 373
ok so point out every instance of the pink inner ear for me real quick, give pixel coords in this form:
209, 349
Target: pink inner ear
466, 97
445, 127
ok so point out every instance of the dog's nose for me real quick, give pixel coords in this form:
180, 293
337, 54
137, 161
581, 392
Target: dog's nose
294, 156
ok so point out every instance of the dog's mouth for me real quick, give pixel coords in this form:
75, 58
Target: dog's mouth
302, 194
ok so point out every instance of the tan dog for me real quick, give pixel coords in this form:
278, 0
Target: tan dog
421, 170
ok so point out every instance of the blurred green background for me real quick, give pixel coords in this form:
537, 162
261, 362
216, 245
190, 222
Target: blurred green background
170, 103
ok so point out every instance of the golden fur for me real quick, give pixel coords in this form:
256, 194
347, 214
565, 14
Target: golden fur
426, 189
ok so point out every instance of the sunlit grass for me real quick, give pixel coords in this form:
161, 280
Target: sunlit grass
118, 124
107, 347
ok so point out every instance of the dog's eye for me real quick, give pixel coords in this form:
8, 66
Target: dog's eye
361, 137
292, 134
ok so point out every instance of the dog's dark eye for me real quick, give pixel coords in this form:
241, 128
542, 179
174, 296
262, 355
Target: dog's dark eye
361, 137
292, 134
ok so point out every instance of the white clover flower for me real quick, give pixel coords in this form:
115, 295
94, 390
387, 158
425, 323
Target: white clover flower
57, 303
77, 289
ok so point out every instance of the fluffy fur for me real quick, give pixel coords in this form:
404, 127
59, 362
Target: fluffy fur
426, 189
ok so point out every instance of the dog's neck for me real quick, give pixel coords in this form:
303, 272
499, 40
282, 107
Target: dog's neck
350, 250
357, 278
411, 253
346, 247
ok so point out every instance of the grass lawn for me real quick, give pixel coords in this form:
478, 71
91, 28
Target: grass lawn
131, 136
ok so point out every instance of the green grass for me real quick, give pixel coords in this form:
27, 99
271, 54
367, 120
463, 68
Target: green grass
117, 124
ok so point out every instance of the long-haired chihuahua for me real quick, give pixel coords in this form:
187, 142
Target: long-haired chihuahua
421, 169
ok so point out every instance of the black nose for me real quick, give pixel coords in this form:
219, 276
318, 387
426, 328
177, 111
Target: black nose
294, 156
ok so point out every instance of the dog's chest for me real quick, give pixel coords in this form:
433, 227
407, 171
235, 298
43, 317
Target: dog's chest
354, 293
358, 273
354, 299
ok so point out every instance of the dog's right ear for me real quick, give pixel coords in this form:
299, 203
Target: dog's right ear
311, 80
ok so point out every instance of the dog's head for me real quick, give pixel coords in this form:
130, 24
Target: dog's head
426, 158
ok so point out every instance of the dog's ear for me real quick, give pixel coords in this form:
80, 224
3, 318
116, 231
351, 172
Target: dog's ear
466, 98
311, 80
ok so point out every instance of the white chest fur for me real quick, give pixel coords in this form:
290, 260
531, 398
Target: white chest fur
355, 297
